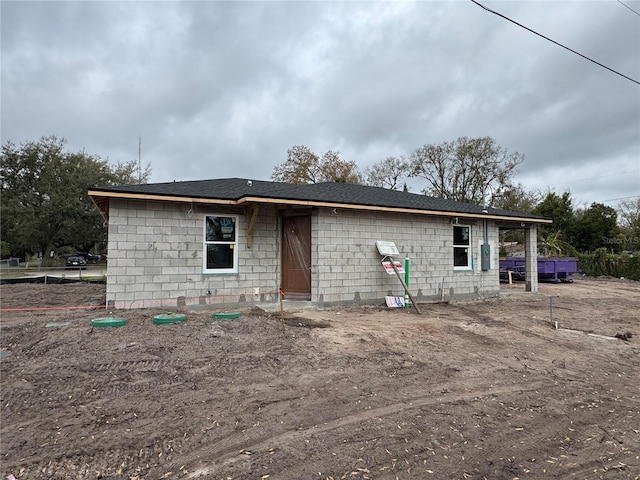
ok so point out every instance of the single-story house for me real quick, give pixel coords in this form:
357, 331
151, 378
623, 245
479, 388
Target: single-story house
235, 240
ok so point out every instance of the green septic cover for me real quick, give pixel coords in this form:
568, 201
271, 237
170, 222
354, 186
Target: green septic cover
226, 315
169, 317
108, 322
57, 324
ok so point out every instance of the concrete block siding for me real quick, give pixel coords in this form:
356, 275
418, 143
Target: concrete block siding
156, 256
347, 268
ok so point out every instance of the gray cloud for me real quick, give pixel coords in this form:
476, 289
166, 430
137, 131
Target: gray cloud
220, 89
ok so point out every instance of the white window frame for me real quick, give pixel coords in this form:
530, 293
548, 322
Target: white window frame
468, 266
233, 242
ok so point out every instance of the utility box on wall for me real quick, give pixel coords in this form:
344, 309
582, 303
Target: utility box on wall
485, 256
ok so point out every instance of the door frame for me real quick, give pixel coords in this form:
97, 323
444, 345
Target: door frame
291, 270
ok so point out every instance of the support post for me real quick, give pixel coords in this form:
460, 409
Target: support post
531, 258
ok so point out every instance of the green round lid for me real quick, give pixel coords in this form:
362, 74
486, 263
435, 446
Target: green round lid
108, 322
169, 317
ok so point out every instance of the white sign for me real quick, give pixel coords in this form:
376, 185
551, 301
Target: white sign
389, 268
395, 302
387, 248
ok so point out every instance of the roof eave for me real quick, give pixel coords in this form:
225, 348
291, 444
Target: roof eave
101, 197
353, 206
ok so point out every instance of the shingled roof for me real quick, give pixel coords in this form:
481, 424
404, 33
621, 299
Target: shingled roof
241, 191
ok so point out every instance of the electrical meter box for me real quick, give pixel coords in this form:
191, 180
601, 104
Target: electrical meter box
485, 257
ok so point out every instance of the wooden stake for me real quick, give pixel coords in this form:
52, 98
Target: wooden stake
281, 294
414, 304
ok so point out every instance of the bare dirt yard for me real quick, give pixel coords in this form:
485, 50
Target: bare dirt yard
484, 389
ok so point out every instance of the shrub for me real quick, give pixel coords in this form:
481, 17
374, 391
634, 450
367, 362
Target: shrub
601, 262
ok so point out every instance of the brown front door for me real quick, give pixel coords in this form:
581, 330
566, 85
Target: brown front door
296, 257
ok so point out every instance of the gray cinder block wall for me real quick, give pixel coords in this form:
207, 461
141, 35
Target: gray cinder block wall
155, 252
347, 266
155, 256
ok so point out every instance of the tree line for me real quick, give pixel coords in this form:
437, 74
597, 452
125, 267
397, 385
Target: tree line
45, 207
479, 171
467, 169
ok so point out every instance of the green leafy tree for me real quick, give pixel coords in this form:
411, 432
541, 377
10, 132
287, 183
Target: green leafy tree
4, 249
44, 196
130, 173
596, 227
305, 167
388, 173
552, 245
467, 169
556, 237
558, 208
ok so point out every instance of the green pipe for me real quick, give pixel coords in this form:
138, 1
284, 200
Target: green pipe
406, 281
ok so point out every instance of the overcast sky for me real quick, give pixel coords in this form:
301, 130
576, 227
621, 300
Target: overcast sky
223, 89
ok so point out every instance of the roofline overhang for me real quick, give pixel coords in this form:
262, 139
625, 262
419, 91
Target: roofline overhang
99, 197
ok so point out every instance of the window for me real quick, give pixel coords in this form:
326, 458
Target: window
220, 244
461, 247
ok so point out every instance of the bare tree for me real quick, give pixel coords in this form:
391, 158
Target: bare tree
388, 173
467, 169
629, 216
304, 167
516, 198
334, 169
629, 213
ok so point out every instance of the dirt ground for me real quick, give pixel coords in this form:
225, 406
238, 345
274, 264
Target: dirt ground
482, 389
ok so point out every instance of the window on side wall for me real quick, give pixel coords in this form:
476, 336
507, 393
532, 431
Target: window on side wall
220, 244
461, 247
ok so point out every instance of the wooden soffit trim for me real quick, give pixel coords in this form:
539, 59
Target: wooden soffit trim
245, 201
415, 211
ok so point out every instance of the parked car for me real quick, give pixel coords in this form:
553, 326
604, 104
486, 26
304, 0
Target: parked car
75, 262
89, 257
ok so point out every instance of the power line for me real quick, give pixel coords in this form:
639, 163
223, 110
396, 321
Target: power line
574, 180
620, 198
553, 41
629, 8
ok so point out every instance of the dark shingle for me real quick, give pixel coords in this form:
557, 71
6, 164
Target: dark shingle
326, 192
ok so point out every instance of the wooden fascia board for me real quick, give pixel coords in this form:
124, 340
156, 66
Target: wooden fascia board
164, 198
311, 203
